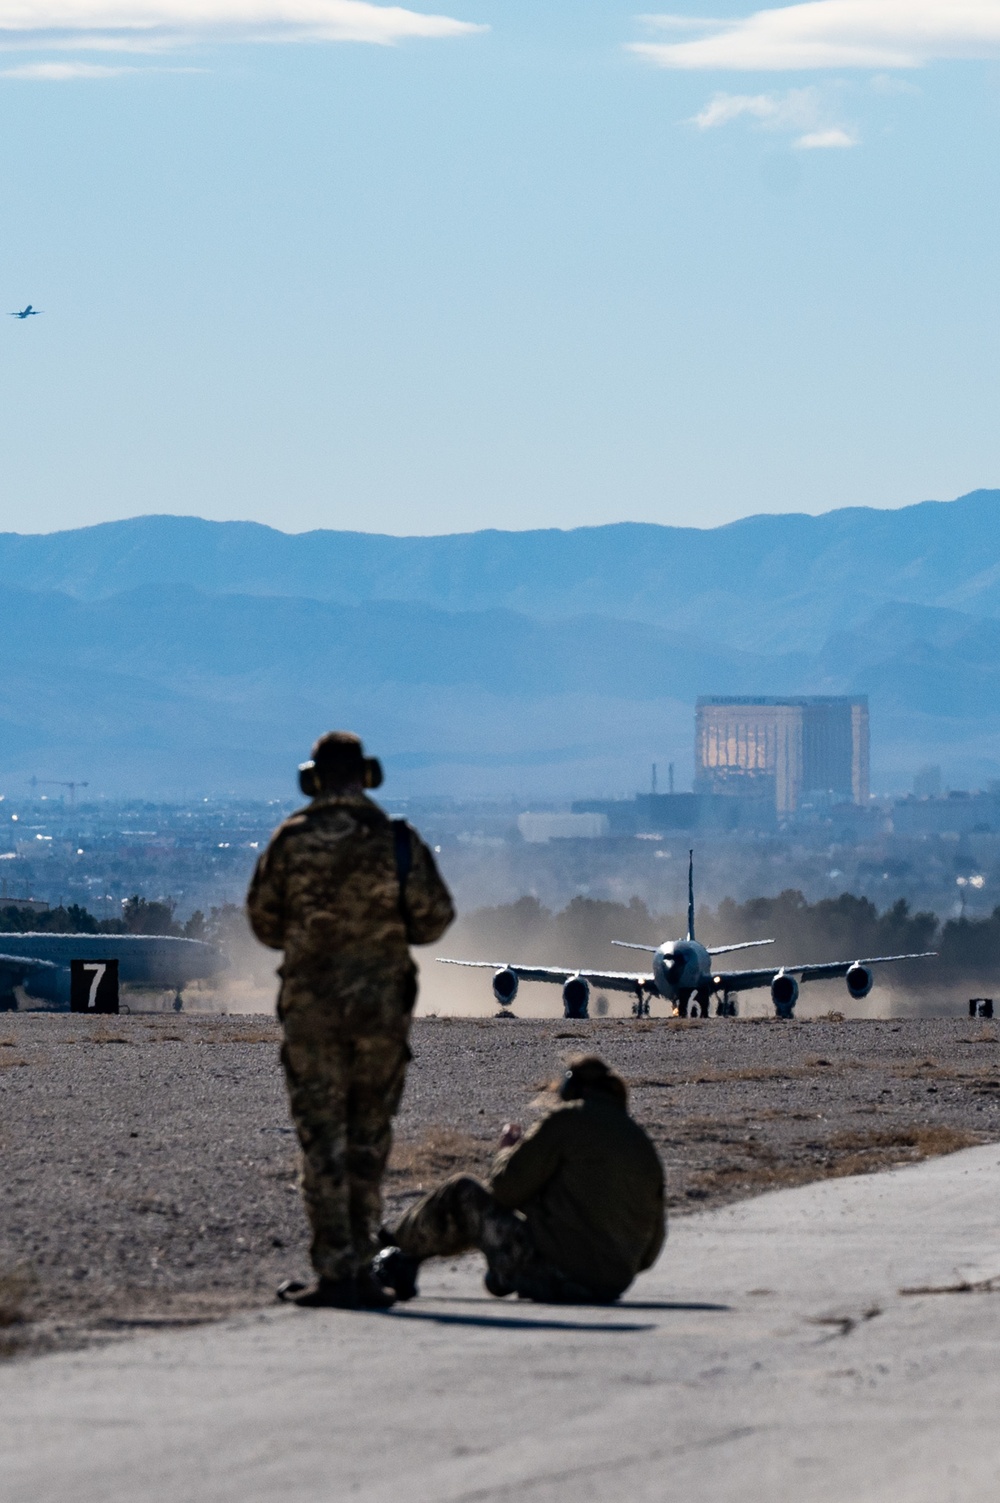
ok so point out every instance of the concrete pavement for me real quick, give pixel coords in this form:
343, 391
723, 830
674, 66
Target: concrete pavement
770, 1354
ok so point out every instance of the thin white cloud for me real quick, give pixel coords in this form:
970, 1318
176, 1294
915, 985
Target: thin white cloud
724, 108
892, 84
67, 72
63, 72
796, 111
153, 25
684, 23
878, 34
824, 140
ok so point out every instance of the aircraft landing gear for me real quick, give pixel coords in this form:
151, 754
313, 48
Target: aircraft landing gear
8, 1001
640, 1007
699, 1006
178, 1003
688, 1006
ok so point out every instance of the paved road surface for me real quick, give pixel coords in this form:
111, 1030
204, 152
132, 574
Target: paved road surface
769, 1355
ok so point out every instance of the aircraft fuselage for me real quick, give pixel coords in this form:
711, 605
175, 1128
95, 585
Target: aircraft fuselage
682, 967
153, 960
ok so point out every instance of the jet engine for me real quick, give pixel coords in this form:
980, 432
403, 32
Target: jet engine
784, 994
504, 986
576, 997
49, 984
859, 981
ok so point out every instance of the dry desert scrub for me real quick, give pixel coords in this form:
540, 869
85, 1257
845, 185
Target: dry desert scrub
417, 1165
16, 1285
835, 1157
154, 1179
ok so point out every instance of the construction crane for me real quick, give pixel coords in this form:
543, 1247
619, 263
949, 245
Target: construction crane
57, 783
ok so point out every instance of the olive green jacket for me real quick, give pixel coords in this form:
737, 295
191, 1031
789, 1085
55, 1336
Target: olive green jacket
590, 1185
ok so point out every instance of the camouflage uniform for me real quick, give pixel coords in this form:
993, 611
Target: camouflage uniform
327, 892
573, 1211
461, 1215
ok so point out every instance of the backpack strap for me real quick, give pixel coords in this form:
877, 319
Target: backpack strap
404, 862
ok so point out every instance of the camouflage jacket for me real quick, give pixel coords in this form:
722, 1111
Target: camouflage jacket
590, 1184
327, 892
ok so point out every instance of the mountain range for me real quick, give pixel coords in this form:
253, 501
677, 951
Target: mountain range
171, 654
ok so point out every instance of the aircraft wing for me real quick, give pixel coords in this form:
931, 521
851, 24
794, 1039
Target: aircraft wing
743, 981
744, 944
612, 981
14, 968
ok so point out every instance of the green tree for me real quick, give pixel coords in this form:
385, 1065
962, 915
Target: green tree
142, 916
194, 928
972, 946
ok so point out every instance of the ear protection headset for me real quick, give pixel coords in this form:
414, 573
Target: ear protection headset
591, 1074
308, 779
311, 782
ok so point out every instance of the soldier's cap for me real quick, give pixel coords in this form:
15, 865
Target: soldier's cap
589, 1074
338, 760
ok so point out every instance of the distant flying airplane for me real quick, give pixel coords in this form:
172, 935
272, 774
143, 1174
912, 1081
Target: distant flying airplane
28, 312
40, 963
683, 975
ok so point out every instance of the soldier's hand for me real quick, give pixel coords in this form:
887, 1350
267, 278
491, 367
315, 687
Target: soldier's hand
512, 1133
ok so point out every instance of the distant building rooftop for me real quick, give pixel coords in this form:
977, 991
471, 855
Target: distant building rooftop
537, 828
23, 905
778, 748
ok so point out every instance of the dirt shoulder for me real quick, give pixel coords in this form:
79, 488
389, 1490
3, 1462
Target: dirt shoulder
148, 1172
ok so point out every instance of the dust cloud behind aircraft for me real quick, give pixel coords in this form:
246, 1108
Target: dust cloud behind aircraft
682, 974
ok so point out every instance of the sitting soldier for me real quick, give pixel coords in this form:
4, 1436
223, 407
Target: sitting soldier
574, 1208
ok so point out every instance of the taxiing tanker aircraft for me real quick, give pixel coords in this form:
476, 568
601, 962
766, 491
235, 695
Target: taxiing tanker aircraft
40, 963
682, 974
28, 312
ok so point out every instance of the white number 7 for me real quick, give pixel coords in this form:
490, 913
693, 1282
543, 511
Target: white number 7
98, 971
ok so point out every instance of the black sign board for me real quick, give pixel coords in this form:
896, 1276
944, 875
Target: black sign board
93, 986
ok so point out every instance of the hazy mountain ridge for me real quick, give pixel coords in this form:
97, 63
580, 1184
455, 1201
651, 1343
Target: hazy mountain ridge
792, 580
168, 684
198, 687
178, 636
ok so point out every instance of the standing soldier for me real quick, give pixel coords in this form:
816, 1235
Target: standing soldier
344, 891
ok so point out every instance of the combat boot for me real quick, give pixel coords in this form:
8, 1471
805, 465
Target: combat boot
495, 1285
329, 1294
394, 1270
371, 1293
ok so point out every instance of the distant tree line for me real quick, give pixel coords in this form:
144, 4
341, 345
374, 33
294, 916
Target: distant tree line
843, 928
139, 916
62, 920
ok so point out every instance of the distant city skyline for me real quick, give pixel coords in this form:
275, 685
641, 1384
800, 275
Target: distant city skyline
431, 269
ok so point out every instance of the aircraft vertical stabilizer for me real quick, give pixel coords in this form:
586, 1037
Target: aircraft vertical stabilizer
690, 933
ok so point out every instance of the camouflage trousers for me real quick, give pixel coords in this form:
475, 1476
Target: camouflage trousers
461, 1215
343, 1094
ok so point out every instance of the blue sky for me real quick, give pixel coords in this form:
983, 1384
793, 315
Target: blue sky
521, 265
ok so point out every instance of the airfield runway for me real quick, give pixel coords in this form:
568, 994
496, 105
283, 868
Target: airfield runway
814, 1345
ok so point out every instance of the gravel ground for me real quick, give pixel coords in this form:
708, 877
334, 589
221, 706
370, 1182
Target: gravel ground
148, 1172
